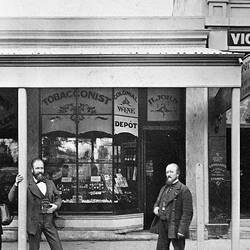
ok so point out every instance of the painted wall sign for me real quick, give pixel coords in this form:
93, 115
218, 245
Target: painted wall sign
238, 38
63, 101
126, 101
245, 78
163, 104
217, 160
124, 124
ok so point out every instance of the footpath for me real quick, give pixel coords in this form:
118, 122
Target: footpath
220, 244
133, 241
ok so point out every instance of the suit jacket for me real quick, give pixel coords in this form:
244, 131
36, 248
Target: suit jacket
3, 199
34, 199
178, 209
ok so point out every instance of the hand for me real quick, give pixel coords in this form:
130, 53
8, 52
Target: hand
180, 236
19, 178
52, 208
156, 210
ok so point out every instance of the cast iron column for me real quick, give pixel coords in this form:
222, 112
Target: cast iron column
22, 168
235, 241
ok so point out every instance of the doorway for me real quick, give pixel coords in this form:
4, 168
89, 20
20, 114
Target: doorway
244, 169
161, 148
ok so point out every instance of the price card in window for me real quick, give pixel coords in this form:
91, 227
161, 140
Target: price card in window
66, 179
95, 178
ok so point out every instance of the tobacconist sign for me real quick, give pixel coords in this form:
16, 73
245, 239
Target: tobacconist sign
89, 101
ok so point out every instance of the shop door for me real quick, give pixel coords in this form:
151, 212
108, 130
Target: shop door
244, 173
244, 169
161, 148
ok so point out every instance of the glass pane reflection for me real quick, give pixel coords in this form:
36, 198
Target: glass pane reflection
58, 149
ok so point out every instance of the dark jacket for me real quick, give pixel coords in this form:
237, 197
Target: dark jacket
178, 209
3, 199
34, 197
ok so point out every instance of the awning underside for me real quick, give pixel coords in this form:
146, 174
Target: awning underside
124, 67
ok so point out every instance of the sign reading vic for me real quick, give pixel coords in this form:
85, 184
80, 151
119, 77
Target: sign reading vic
238, 38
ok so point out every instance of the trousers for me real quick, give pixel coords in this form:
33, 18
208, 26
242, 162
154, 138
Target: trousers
163, 242
47, 227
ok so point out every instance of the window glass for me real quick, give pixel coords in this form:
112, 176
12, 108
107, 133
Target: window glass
8, 142
77, 145
126, 173
92, 172
125, 149
58, 149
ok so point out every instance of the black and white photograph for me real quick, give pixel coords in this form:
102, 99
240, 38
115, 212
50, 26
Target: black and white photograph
125, 124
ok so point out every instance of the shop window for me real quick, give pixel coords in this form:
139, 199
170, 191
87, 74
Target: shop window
89, 145
8, 141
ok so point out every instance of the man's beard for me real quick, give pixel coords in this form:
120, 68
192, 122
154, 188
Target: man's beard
170, 181
39, 176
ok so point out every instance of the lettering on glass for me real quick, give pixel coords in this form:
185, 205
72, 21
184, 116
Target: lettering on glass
70, 101
126, 110
163, 104
126, 102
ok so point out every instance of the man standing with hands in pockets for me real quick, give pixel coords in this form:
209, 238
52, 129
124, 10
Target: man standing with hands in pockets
175, 210
43, 201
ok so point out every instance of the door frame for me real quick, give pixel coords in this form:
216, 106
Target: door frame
145, 128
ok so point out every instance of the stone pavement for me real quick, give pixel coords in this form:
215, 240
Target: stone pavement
213, 244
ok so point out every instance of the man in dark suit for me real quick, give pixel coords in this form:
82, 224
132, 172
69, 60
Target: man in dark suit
175, 210
43, 201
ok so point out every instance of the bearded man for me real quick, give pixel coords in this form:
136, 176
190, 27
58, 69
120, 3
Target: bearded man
43, 201
175, 210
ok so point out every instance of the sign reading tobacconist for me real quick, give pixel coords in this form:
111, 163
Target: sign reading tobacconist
239, 38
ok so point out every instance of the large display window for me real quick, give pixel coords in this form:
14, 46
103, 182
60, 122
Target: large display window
89, 145
8, 142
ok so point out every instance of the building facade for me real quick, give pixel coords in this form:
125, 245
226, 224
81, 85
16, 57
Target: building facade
229, 22
110, 101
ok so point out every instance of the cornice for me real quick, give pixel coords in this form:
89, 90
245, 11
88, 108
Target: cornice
46, 32
92, 38
76, 60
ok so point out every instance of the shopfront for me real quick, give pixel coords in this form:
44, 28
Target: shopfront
106, 147
107, 110
89, 141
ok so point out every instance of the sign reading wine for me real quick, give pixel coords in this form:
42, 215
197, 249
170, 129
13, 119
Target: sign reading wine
126, 111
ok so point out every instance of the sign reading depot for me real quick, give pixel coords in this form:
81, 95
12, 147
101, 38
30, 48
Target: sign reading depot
126, 110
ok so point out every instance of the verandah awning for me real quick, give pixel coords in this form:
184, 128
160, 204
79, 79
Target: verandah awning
153, 68
124, 67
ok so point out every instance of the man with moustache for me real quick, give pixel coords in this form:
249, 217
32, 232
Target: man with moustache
43, 200
175, 210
